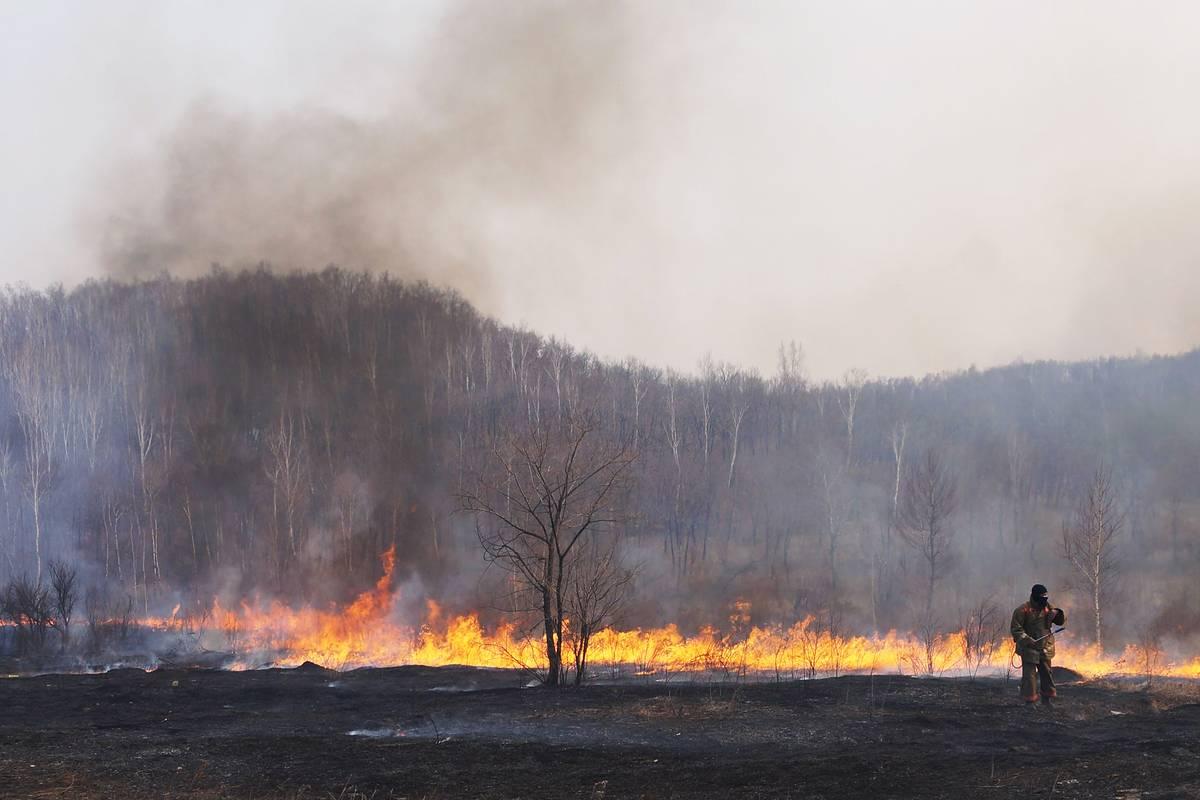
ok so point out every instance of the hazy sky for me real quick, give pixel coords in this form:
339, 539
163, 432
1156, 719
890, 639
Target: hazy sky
899, 186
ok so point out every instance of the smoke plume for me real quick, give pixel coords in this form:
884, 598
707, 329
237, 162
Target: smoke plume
904, 190
517, 109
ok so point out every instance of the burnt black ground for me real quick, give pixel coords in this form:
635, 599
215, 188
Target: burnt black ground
452, 732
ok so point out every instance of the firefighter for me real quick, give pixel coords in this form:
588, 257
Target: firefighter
1032, 631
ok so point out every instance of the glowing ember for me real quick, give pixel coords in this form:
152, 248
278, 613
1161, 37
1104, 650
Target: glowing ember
365, 633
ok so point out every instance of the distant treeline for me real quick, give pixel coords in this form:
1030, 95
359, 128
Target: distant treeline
260, 432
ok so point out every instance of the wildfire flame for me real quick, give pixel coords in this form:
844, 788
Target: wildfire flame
365, 633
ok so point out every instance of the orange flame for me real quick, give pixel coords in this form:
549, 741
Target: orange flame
366, 633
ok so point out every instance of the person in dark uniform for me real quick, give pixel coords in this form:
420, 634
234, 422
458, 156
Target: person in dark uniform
1032, 630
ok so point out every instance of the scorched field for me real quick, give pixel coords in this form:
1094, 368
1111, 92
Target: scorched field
419, 732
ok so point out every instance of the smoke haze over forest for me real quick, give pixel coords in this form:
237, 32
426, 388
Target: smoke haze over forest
903, 189
256, 435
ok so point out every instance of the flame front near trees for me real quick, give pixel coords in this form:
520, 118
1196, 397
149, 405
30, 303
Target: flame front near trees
365, 633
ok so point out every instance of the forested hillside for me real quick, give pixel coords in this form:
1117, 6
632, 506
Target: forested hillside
274, 433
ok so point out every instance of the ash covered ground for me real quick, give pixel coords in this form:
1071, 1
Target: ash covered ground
417, 732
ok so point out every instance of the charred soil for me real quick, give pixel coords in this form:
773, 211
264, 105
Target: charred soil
419, 732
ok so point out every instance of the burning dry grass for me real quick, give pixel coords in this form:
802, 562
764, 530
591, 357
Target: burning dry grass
368, 633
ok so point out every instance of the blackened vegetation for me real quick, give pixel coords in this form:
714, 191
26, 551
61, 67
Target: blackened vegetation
252, 432
456, 733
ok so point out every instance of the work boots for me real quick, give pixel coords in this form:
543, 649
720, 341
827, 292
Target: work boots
1047, 701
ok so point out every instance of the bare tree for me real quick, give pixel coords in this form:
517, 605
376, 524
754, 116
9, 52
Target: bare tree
673, 435
63, 595
599, 584
1020, 479
545, 493
558, 357
8, 537
32, 391
898, 437
851, 390
1088, 542
812, 644
638, 375
1148, 655
708, 378
928, 635
287, 469
928, 501
981, 629
738, 394
26, 603
98, 617
789, 386
837, 515
144, 421
351, 504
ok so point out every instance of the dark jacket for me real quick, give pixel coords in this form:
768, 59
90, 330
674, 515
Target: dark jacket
1029, 623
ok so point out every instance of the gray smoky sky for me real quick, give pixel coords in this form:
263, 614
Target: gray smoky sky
902, 187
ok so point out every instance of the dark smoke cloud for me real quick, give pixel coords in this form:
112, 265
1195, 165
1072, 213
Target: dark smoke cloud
517, 108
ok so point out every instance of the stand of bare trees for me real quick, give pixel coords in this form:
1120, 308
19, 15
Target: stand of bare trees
33, 608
